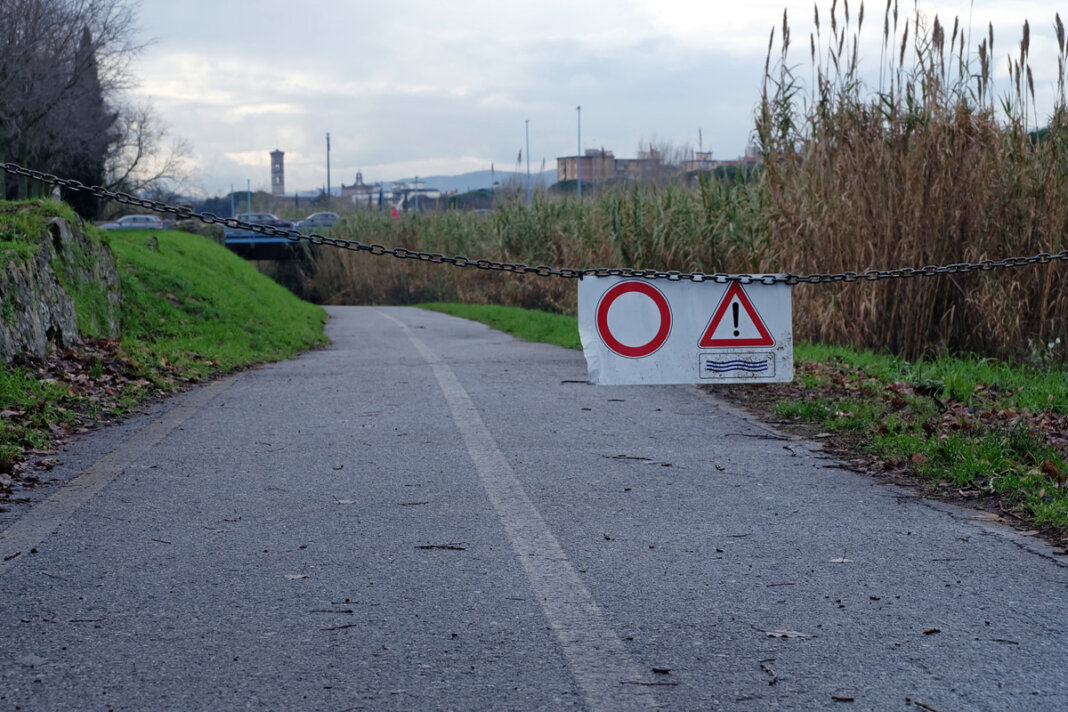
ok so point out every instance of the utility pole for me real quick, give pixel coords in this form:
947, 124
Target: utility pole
528, 162
328, 168
579, 110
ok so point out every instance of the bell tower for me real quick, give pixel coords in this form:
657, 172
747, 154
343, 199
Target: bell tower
278, 173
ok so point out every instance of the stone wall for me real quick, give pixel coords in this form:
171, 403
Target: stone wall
37, 308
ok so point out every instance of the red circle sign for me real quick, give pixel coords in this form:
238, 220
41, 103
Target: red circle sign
614, 293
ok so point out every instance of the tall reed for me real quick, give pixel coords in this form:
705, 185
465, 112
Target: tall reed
714, 226
931, 167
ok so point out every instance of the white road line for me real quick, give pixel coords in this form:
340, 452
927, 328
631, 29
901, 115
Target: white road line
602, 668
44, 518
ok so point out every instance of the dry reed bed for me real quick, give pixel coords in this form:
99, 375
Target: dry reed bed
930, 167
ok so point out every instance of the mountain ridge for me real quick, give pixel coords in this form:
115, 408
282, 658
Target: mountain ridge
479, 180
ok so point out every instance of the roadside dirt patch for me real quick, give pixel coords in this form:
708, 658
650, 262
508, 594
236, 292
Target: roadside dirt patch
96, 385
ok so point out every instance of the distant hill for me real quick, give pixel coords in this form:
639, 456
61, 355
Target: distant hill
477, 180
463, 183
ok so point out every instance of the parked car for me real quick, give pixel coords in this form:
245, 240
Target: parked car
134, 222
255, 219
254, 245
319, 220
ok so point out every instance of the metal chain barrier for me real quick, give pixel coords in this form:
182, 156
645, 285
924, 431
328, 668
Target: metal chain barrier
870, 275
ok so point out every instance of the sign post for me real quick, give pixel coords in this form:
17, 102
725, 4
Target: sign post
637, 331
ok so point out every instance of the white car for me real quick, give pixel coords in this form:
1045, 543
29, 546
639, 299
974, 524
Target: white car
134, 222
319, 220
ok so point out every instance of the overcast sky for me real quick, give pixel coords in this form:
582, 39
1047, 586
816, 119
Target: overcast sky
432, 87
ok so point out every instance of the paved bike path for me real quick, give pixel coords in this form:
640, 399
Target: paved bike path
432, 515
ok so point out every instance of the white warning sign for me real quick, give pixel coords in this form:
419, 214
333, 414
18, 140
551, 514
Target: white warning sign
638, 331
745, 327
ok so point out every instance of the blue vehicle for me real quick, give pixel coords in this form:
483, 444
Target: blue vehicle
254, 245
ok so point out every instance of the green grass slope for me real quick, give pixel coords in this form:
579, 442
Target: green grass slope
198, 306
191, 309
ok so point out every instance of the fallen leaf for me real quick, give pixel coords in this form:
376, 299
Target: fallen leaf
1054, 472
918, 458
294, 577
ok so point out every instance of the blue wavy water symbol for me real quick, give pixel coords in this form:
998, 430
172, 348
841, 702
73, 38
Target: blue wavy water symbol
736, 365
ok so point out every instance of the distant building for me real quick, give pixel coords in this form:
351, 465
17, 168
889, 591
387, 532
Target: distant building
278, 172
406, 196
401, 195
599, 165
703, 161
360, 193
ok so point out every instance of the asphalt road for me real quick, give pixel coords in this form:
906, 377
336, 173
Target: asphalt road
429, 515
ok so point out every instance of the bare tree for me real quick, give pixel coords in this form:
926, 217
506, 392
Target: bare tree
144, 158
48, 51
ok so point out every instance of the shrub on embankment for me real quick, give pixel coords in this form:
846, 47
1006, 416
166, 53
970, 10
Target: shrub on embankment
179, 309
932, 166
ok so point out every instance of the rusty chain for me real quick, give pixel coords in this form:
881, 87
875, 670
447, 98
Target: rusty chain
871, 275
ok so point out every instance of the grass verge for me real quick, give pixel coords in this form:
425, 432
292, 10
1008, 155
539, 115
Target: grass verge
965, 429
974, 430
526, 324
191, 310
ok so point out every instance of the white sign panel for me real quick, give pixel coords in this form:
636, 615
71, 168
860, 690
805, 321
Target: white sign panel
637, 331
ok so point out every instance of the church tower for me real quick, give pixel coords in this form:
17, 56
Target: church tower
278, 173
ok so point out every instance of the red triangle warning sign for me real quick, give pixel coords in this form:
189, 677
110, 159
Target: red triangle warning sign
735, 323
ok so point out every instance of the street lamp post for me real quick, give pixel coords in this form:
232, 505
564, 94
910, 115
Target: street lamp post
528, 161
579, 110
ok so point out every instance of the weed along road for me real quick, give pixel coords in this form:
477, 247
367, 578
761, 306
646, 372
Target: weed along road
430, 515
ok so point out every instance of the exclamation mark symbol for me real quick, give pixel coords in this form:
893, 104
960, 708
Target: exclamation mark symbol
734, 308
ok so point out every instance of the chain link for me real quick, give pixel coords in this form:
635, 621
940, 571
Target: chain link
871, 275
